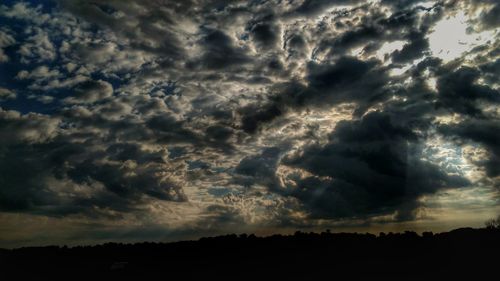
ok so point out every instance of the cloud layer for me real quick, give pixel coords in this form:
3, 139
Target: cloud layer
194, 117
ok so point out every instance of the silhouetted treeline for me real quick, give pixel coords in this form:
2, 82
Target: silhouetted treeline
461, 253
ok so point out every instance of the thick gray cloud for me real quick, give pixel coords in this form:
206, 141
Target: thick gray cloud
485, 132
141, 28
265, 35
460, 91
313, 7
413, 50
90, 91
49, 172
219, 52
368, 167
346, 80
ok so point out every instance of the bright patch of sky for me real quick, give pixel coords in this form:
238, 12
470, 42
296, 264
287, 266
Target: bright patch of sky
450, 38
388, 48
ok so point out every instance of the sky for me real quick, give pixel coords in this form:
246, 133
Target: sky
170, 120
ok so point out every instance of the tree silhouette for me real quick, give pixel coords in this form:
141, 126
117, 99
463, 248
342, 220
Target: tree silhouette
303, 255
493, 223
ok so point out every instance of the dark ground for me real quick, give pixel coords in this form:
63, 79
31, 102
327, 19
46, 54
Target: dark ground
459, 254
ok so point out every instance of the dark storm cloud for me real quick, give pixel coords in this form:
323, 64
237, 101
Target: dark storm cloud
90, 91
254, 116
167, 129
57, 177
260, 167
32, 172
350, 39
29, 128
415, 49
220, 52
265, 34
141, 20
312, 7
482, 131
105, 165
37, 180
346, 80
491, 18
375, 28
369, 167
295, 44
491, 71
219, 133
401, 4
343, 78
460, 91
127, 182
343, 74
22, 182
47, 170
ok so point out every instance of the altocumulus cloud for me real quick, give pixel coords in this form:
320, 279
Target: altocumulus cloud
188, 118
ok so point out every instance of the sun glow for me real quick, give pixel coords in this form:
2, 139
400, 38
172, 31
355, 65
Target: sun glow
451, 38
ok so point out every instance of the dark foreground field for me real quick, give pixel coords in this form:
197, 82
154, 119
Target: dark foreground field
459, 254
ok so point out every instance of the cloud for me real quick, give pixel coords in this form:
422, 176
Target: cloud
208, 115
489, 16
52, 173
219, 52
17, 128
7, 94
37, 48
485, 132
314, 7
259, 169
266, 35
369, 167
460, 91
24, 11
90, 91
42, 73
6, 40
401, 4
346, 80
151, 27
415, 49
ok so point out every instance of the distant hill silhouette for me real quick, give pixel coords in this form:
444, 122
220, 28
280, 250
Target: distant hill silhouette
461, 253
